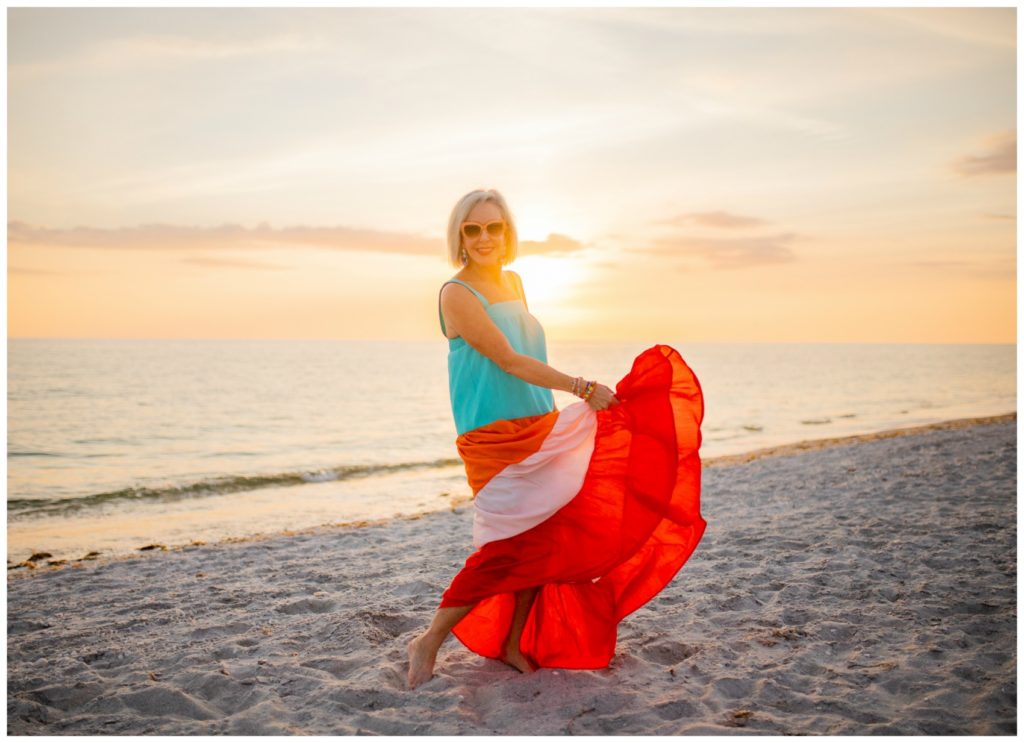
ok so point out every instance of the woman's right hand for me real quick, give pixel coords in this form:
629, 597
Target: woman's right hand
602, 398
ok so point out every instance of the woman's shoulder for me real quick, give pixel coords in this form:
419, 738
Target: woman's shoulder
455, 280
510, 281
456, 286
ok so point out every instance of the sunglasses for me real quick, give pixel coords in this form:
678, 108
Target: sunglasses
473, 230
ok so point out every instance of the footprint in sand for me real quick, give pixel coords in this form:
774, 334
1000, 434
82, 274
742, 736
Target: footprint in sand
66, 698
734, 688
368, 699
306, 606
337, 667
107, 659
667, 652
220, 630
675, 710
162, 701
226, 694
390, 625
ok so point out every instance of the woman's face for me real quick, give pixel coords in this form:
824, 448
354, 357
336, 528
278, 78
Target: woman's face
485, 249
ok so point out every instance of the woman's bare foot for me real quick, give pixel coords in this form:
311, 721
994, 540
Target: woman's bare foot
421, 661
517, 660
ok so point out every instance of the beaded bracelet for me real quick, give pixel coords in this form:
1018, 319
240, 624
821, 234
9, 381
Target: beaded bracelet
582, 388
591, 386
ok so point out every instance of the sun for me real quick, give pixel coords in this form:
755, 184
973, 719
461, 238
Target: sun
550, 281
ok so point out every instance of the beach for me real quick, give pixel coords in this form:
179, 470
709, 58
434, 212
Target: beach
860, 585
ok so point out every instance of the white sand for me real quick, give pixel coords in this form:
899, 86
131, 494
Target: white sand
867, 587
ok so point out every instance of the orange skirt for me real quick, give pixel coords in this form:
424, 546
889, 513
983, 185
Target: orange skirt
598, 510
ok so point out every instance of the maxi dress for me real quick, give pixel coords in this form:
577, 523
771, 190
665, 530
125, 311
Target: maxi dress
597, 509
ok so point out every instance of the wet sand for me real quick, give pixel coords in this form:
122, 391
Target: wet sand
853, 586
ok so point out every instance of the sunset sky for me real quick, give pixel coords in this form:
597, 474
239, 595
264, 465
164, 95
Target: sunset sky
677, 174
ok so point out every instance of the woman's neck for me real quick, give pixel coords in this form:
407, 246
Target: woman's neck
490, 274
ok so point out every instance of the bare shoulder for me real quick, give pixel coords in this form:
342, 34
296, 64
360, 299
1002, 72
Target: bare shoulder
457, 300
453, 290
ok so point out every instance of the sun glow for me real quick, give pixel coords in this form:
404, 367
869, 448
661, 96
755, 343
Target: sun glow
549, 281
536, 223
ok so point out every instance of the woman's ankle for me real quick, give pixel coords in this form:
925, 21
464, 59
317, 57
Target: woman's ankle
433, 638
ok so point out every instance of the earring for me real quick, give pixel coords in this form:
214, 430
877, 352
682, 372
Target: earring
463, 255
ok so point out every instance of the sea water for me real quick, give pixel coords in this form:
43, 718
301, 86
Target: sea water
117, 444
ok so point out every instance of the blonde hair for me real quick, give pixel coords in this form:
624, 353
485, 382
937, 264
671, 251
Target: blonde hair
462, 209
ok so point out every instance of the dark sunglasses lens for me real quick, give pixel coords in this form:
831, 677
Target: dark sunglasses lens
471, 230
496, 229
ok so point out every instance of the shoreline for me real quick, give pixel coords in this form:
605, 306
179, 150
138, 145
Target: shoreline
458, 503
807, 445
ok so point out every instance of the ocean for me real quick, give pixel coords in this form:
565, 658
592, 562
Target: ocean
118, 444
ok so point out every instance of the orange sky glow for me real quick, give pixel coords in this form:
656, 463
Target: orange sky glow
677, 174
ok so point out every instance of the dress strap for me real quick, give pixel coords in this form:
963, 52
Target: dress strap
478, 294
441, 314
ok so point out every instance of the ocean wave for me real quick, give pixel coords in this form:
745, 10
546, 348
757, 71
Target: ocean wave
28, 507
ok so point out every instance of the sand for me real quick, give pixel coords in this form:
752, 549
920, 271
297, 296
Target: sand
861, 586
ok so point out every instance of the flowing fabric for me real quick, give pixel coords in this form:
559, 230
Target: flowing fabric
599, 510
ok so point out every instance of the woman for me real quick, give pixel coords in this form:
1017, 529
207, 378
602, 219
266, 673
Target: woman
582, 514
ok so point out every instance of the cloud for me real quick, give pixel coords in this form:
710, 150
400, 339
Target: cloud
222, 263
997, 268
728, 253
15, 271
553, 244
262, 236
937, 264
146, 49
988, 27
228, 236
717, 219
995, 215
1001, 157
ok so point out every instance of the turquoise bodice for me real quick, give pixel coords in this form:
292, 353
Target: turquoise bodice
480, 391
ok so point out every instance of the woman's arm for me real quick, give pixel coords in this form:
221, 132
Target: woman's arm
464, 313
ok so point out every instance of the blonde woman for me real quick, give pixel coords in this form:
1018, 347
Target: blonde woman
581, 515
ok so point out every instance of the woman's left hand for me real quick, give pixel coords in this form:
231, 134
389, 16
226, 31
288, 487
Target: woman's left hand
602, 398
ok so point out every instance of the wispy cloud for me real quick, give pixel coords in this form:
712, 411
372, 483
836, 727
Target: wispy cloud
993, 28
716, 219
553, 244
262, 236
997, 268
150, 49
223, 263
16, 271
178, 237
999, 155
728, 253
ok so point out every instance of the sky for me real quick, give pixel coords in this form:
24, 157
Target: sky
676, 174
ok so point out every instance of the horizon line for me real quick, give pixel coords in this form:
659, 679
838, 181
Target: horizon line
552, 341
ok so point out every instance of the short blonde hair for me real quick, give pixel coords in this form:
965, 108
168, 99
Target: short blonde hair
462, 209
